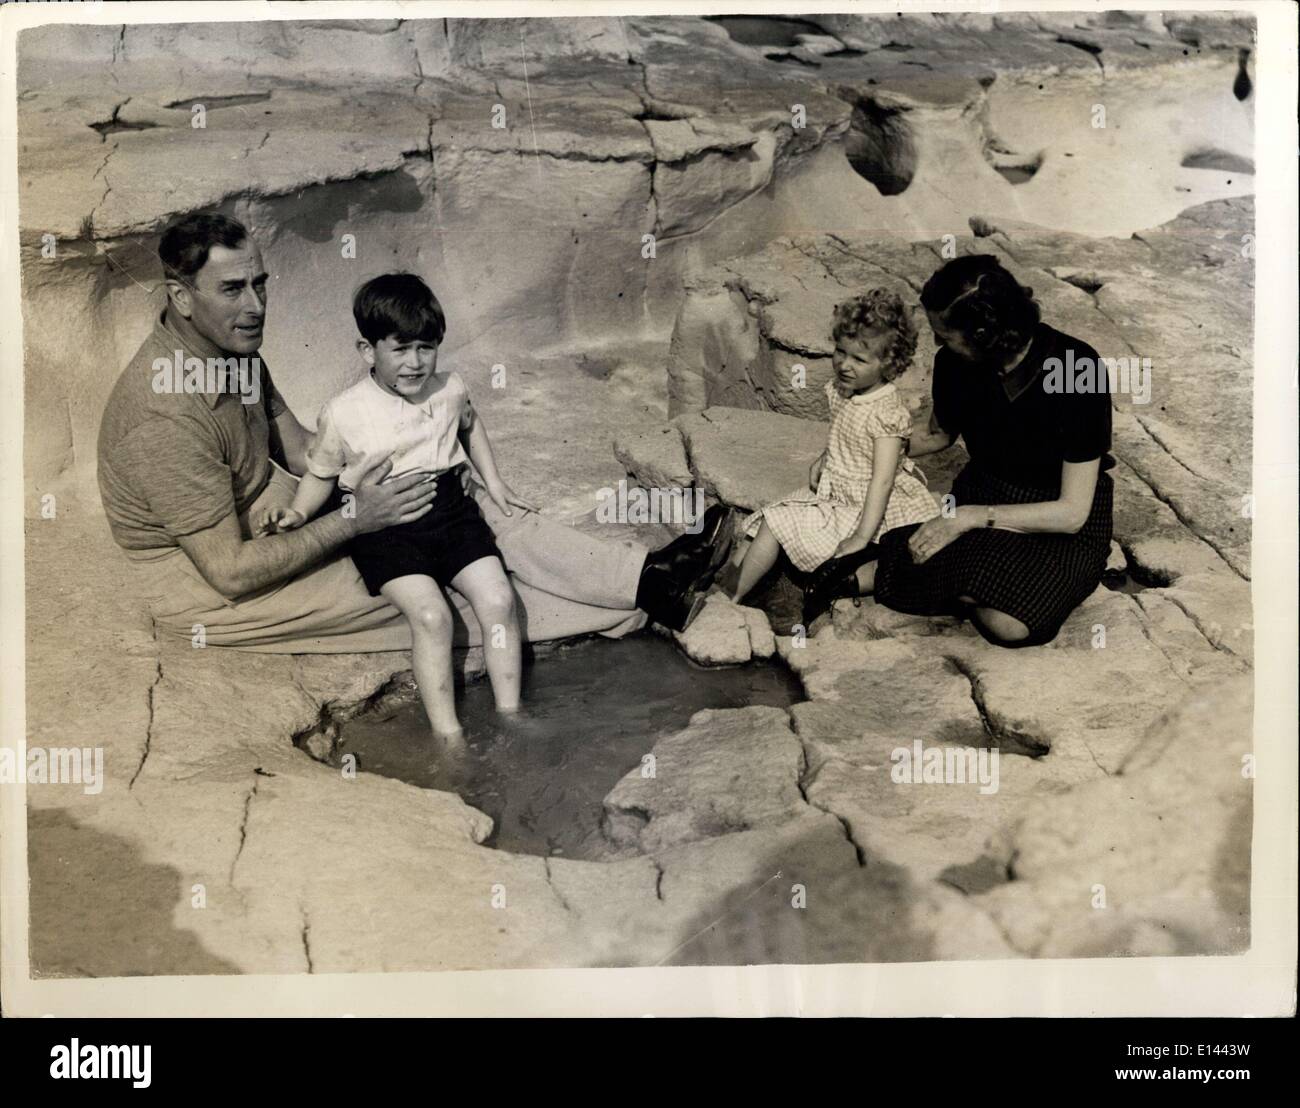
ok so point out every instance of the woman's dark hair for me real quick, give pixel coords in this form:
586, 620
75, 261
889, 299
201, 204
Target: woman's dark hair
878, 311
976, 297
398, 304
185, 244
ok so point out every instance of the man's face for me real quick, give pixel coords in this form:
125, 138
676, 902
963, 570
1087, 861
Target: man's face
402, 367
226, 299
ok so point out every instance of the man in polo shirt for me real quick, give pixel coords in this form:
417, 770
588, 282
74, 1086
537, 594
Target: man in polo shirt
185, 460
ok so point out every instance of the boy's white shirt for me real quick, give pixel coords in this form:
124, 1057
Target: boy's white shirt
364, 424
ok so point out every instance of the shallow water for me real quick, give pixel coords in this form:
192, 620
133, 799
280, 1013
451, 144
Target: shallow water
595, 707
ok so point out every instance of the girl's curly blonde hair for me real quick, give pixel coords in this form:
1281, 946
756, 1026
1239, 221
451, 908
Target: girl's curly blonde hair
878, 311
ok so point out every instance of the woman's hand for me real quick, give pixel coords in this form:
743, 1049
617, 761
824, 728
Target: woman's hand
932, 536
503, 496
815, 473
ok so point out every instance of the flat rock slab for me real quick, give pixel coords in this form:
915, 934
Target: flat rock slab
727, 634
1153, 861
748, 459
729, 771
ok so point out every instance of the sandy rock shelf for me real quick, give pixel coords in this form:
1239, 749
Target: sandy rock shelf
767, 835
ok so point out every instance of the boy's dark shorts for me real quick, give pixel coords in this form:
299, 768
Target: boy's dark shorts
439, 544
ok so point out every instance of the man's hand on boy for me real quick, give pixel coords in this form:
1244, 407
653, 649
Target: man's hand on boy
381, 504
503, 496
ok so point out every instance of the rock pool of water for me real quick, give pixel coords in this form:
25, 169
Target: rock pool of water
595, 708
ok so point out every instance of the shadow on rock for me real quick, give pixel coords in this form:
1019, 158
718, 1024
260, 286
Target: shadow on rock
848, 914
98, 910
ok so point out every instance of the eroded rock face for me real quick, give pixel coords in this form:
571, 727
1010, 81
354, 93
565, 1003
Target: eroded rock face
1152, 861
582, 137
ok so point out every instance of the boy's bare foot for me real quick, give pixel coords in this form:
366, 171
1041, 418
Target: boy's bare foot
521, 723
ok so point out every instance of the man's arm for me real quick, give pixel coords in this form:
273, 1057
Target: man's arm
235, 566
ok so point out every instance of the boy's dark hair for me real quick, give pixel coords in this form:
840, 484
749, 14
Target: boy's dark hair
993, 311
878, 311
398, 304
187, 241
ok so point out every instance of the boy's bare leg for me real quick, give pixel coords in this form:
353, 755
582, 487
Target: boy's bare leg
760, 557
485, 585
421, 601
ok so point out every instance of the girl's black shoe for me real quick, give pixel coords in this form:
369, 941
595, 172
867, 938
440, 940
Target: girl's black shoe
834, 579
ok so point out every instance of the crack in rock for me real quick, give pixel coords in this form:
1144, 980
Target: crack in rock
306, 938
1165, 447
243, 827
1146, 631
149, 704
1168, 503
1006, 738
546, 863
1200, 628
802, 781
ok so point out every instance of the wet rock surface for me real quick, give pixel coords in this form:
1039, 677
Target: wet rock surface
217, 847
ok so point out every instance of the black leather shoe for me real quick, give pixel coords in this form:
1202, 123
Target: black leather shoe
666, 599
688, 556
835, 579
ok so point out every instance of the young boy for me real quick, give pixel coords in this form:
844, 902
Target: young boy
423, 419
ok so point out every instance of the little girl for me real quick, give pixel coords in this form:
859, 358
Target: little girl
863, 484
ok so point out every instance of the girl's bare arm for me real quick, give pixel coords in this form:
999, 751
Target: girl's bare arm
887, 452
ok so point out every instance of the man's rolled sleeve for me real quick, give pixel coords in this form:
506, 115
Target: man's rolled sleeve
178, 469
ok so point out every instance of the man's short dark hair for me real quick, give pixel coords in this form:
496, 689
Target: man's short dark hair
186, 243
398, 304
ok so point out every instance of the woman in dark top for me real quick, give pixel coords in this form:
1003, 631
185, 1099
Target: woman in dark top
1029, 538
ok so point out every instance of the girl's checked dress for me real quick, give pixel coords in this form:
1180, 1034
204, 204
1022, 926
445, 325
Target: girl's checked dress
811, 525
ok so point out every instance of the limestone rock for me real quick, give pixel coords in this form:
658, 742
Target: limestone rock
726, 634
748, 459
1167, 840
654, 456
730, 770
